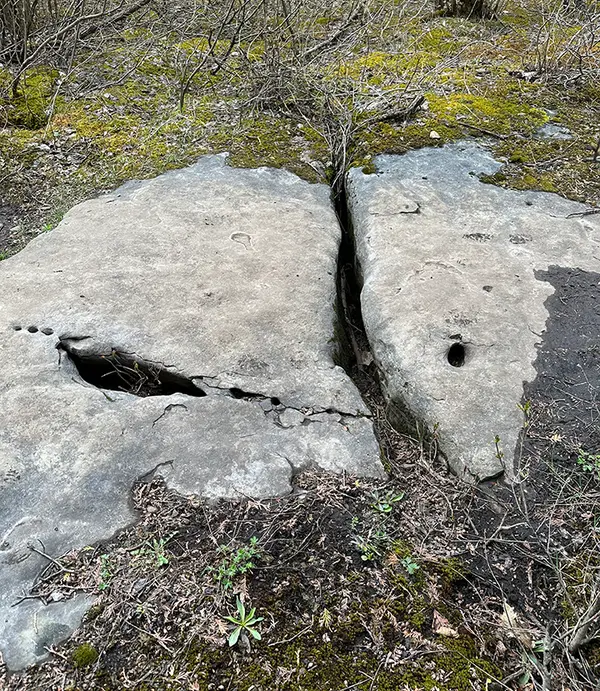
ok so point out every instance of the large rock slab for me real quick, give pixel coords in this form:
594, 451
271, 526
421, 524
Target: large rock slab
454, 293
222, 278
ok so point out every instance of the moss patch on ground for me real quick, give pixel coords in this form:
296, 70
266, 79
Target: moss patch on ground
116, 115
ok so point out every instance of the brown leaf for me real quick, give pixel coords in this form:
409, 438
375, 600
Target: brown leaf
441, 626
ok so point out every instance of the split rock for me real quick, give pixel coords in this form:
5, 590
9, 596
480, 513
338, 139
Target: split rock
453, 297
222, 283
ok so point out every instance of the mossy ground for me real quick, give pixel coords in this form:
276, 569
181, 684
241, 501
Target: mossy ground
116, 114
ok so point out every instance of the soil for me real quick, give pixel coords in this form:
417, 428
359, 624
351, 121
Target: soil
564, 395
9, 220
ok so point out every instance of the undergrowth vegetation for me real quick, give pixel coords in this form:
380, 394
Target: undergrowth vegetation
299, 85
421, 582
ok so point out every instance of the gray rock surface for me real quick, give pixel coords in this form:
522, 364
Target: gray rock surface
223, 276
551, 130
447, 260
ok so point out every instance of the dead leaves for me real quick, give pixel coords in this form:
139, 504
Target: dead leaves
442, 627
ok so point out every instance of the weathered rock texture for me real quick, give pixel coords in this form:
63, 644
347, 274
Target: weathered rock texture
223, 276
451, 303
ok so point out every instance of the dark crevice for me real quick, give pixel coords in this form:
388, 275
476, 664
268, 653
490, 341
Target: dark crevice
234, 392
354, 352
117, 371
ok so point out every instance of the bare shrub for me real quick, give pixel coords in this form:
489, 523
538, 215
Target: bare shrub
32, 32
568, 40
484, 9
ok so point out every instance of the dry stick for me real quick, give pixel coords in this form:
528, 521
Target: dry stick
212, 44
293, 638
54, 561
127, 12
547, 661
400, 115
581, 629
152, 635
336, 36
484, 131
29, 60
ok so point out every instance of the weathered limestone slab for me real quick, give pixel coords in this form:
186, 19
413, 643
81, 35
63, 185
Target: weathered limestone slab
223, 276
449, 267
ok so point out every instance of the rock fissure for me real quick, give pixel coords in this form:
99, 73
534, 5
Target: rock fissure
122, 371
119, 371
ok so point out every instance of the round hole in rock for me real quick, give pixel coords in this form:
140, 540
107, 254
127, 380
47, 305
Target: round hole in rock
456, 355
17, 328
32, 329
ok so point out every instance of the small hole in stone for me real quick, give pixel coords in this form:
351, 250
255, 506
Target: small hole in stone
236, 393
32, 329
275, 401
47, 331
17, 328
456, 355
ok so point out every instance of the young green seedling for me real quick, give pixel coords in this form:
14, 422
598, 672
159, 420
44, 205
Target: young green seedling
243, 622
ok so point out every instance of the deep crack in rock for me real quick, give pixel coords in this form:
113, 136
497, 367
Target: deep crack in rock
118, 371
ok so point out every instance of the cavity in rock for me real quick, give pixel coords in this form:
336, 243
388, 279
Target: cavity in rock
117, 371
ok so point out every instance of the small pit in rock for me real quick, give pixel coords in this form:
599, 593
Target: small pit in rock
121, 372
456, 355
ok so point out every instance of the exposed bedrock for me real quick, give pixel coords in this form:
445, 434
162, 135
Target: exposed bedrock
453, 300
210, 293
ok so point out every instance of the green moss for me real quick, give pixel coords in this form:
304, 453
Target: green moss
439, 40
84, 655
267, 141
517, 157
494, 179
29, 109
322, 666
494, 112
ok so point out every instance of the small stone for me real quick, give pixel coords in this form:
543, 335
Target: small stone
552, 130
290, 418
57, 596
434, 135
151, 509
